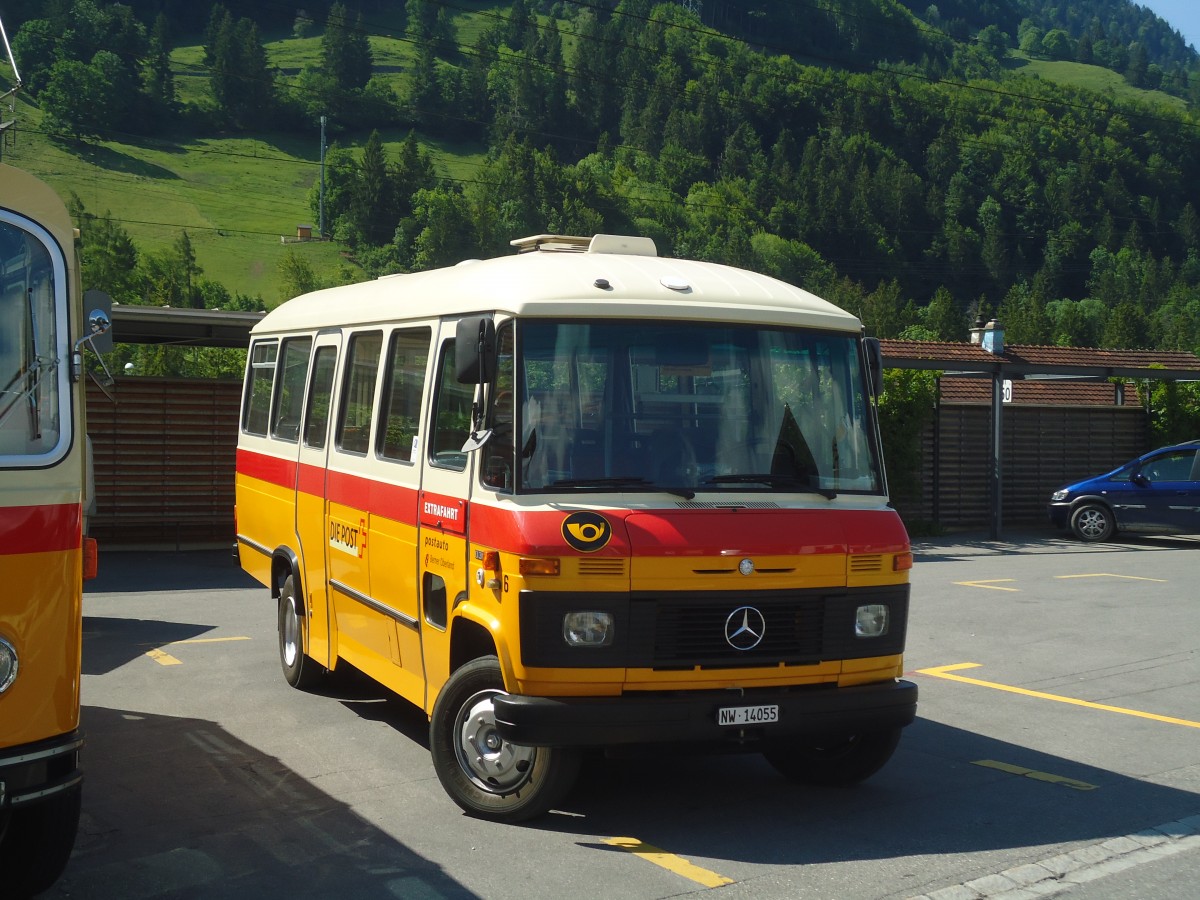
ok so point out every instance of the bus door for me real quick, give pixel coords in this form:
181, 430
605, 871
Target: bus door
311, 505
360, 632
442, 512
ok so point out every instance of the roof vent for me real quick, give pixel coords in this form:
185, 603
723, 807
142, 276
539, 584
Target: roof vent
550, 242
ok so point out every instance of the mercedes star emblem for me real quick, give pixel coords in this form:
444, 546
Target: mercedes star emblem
745, 627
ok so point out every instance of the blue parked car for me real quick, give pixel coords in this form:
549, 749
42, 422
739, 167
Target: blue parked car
1158, 493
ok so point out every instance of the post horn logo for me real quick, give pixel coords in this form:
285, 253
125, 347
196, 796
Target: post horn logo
586, 532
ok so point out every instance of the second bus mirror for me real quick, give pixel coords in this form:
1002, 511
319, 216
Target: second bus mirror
875, 364
475, 349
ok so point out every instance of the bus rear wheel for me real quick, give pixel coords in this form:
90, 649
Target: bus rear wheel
836, 762
37, 842
300, 670
487, 776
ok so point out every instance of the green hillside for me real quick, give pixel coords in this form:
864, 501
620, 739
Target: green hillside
912, 171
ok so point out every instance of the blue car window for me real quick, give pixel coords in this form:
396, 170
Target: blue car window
1175, 466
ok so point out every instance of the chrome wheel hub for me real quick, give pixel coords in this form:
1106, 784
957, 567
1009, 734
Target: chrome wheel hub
493, 764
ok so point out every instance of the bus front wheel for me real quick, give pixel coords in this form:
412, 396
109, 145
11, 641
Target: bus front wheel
300, 670
37, 842
487, 776
836, 762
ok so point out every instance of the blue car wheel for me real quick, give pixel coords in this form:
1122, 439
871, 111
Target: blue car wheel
1093, 522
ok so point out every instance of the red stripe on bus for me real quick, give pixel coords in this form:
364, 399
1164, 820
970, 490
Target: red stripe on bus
379, 498
40, 529
708, 532
271, 469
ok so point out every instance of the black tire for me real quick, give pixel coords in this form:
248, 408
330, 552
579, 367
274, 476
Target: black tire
299, 669
838, 762
1093, 522
488, 777
36, 844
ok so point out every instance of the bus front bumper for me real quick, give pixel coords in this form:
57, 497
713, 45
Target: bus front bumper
35, 772
693, 716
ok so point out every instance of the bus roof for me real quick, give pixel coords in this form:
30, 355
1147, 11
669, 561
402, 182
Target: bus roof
607, 276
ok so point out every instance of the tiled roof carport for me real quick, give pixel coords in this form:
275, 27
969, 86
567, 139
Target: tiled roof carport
1029, 362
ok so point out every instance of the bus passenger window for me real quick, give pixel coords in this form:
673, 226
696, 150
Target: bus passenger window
285, 423
320, 394
452, 421
358, 392
256, 404
404, 382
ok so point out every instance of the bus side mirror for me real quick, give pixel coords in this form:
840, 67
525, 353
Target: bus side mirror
98, 326
475, 350
874, 364
97, 332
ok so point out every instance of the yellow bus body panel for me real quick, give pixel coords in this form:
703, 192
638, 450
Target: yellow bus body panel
43, 620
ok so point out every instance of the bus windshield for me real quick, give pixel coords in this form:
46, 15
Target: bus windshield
30, 414
688, 407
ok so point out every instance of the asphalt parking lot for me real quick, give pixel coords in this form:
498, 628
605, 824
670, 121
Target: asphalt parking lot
1056, 750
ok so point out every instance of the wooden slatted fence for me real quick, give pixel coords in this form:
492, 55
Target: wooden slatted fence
164, 455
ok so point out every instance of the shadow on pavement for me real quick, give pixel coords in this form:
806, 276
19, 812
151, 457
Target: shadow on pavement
110, 643
176, 807
958, 547
933, 798
134, 571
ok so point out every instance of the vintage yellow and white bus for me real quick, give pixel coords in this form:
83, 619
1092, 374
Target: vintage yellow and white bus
579, 497
44, 554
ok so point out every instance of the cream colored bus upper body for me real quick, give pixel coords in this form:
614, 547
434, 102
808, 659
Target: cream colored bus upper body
614, 277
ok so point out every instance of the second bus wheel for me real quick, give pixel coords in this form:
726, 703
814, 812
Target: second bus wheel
836, 762
300, 670
485, 775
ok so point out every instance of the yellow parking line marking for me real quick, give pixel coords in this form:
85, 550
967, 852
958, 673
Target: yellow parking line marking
1037, 776
944, 672
166, 659
991, 584
1110, 575
670, 862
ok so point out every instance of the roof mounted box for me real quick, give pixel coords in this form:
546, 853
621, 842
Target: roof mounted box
620, 244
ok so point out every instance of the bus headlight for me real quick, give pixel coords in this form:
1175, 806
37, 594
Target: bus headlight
871, 621
589, 628
8, 665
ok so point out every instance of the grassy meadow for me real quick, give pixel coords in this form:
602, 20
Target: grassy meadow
238, 197
1089, 77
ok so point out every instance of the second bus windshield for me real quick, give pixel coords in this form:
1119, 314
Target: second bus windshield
629, 405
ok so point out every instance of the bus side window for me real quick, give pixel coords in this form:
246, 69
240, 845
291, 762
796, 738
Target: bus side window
285, 423
256, 404
320, 395
404, 383
497, 470
452, 418
358, 392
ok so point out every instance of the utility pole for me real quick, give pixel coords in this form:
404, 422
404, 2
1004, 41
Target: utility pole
321, 204
11, 94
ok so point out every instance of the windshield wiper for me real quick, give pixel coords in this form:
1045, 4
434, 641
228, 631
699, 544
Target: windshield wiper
630, 481
777, 481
